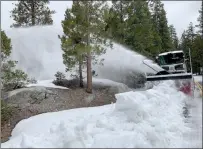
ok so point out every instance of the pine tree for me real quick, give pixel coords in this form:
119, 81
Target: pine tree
190, 35
200, 20
190, 41
84, 35
10, 77
161, 24
118, 15
139, 31
72, 42
197, 53
5, 46
130, 23
184, 45
32, 12
173, 37
190, 32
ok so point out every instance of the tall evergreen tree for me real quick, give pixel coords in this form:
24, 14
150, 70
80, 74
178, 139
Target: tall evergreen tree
32, 12
157, 42
190, 32
200, 20
173, 37
130, 23
139, 32
5, 46
191, 41
184, 45
10, 77
190, 35
161, 24
72, 41
198, 42
84, 32
197, 53
118, 15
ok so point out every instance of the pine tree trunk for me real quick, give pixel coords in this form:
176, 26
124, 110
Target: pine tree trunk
33, 12
89, 73
201, 16
121, 20
80, 74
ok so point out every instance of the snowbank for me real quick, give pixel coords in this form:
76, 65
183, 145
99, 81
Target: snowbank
151, 118
194, 122
198, 78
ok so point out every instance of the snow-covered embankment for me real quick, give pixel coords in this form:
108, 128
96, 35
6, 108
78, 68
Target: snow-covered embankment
152, 118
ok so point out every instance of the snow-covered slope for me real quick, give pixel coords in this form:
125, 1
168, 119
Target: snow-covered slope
152, 118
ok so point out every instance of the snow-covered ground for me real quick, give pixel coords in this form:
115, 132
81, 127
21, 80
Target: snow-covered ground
148, 118
96, 81
151, 118
46, 83
198, 78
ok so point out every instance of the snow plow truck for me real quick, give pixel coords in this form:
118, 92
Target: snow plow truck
173, 64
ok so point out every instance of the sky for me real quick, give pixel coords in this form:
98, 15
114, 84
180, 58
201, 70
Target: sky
179, 13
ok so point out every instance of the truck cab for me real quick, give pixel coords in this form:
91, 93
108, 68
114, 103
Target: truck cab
172, 62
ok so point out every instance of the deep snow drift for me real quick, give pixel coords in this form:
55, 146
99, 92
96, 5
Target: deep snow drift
39, 54
152, 118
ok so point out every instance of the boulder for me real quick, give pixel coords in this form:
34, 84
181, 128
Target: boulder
25, 96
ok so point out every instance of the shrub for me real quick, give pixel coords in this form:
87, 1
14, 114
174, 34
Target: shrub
61, 81
12, 78
6, 112
32, 80
59, 76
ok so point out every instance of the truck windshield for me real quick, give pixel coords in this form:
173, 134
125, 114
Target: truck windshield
172, 58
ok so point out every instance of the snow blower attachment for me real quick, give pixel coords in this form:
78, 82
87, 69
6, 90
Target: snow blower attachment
173, 67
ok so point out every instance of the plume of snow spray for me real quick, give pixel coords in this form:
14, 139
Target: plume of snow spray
38, 52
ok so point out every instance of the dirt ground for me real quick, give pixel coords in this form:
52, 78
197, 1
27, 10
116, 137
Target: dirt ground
69, 99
